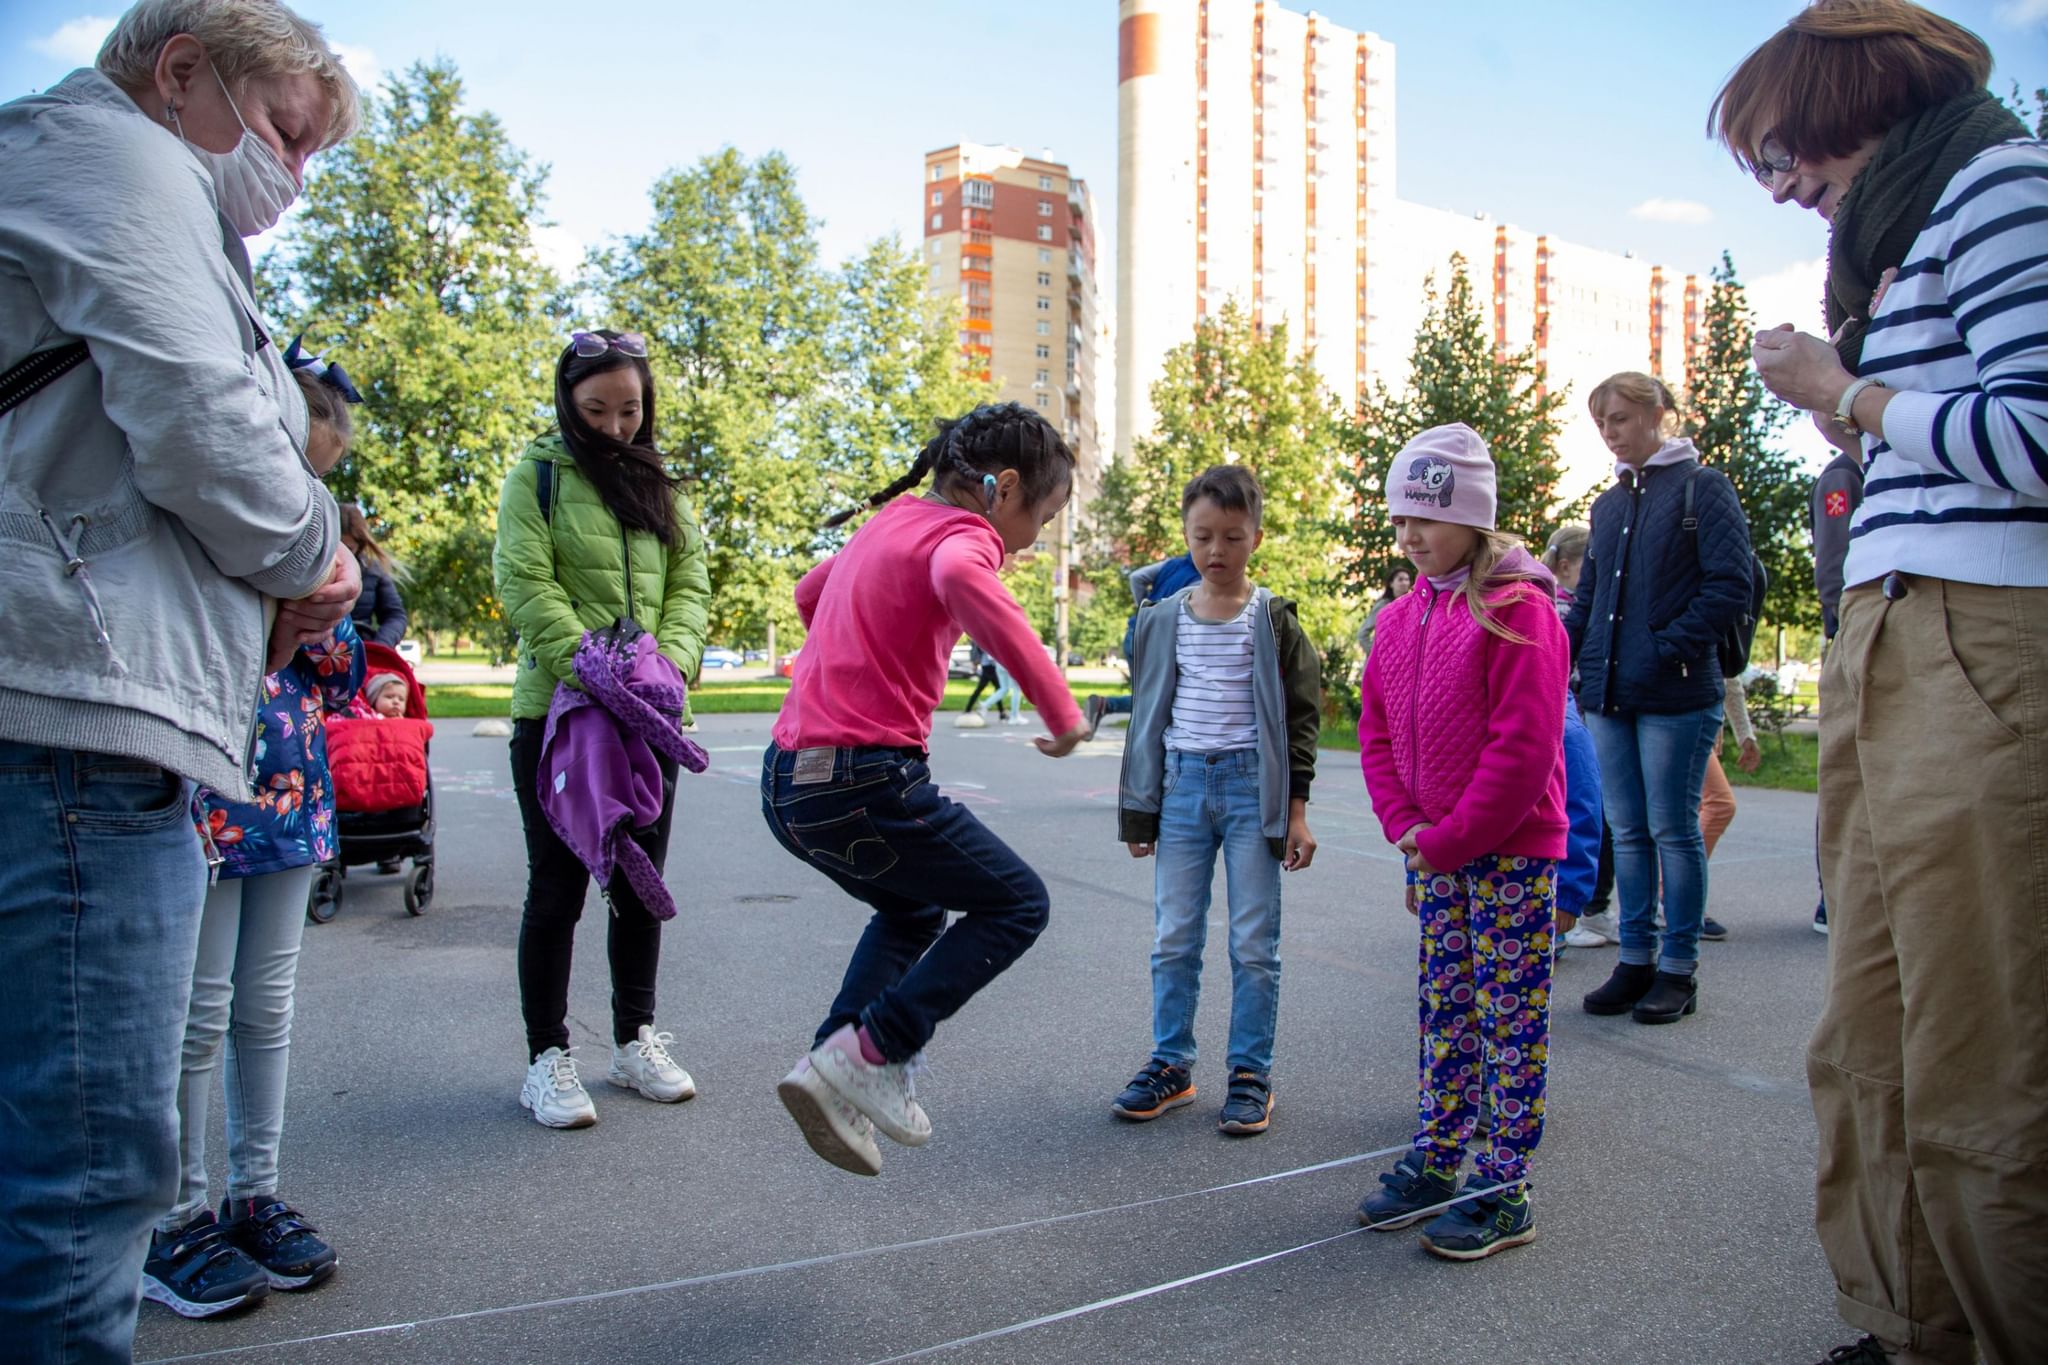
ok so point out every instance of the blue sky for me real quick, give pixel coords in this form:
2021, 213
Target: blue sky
1564, 118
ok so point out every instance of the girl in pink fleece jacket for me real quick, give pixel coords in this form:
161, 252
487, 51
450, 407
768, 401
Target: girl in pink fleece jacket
1461, 742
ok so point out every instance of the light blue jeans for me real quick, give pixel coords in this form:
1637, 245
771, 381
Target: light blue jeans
1651, 768
1007, 693
1211, 802
101, 881
242, 989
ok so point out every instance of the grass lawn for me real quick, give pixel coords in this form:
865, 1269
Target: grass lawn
757, 696
1790, 766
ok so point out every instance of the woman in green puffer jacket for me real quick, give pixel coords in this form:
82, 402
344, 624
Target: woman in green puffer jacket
592, 529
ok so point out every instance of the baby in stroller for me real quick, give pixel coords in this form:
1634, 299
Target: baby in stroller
383, 791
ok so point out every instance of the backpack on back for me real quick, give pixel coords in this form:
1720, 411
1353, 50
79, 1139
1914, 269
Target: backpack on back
1732, 649
1179, 572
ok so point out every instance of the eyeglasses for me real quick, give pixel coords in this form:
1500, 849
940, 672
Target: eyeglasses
1772, 161
590, 345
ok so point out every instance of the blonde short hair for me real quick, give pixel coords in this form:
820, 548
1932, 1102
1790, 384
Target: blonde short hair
245, 39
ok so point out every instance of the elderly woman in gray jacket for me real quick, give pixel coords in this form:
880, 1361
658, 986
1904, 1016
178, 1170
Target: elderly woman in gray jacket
161, 539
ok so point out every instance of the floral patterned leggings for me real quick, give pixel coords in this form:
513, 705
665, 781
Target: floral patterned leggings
1485, 1008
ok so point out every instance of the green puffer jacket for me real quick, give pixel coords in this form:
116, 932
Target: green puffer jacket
564, 573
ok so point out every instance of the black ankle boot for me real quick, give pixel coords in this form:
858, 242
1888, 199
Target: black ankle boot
1669, 1000
1631, 982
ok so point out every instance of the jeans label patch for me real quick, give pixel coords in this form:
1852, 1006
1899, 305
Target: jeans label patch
813, 766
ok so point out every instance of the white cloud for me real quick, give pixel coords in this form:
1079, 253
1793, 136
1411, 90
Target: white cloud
76, 41
361, 63
1672, 211
558, 249
2023, 12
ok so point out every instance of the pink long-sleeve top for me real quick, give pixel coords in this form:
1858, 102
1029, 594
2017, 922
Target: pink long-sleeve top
883, 615
1463, 730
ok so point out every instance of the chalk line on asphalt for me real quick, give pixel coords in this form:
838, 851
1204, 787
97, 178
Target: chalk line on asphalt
808, 1263
1132, 1296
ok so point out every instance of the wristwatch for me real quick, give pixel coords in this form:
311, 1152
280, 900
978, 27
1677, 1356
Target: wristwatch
1845, 411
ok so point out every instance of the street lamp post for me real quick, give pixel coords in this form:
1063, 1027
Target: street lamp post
1062, 623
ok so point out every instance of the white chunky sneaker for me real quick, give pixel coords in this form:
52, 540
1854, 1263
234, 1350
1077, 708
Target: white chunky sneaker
883, 1093
646, 1066
554, 1094
971, 720
1594, 931
835, 1129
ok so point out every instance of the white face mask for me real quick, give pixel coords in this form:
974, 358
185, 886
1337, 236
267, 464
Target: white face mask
252, 184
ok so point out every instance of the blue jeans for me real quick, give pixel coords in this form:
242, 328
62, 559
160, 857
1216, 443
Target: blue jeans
1211, 802
1651, 768
101, 883
871, 820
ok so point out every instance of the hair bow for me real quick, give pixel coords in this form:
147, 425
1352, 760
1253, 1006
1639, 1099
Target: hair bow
324, 370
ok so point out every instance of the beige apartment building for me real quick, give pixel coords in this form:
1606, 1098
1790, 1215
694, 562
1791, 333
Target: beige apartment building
1012, 237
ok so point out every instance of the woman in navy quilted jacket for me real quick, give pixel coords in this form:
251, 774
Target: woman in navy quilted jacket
1654, 599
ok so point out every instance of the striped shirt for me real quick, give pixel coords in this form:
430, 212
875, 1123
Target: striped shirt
1212, 697
1959, 487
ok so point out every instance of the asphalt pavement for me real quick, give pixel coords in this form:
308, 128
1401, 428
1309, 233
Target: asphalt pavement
1673, 1187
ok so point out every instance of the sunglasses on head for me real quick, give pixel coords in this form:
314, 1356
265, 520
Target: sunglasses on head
590, 345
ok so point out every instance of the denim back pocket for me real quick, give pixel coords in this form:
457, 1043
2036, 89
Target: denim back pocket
848, 846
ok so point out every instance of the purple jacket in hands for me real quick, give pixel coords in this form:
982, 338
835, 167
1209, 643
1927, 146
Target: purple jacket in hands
599, 778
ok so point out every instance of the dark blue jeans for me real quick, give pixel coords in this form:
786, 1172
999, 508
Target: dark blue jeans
871, 820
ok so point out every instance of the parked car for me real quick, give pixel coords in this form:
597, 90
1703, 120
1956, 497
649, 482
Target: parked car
718, 656
961, 665
756, 656
409, 650
787, 668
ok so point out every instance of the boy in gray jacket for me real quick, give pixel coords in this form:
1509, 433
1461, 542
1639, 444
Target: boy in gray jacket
1226, 711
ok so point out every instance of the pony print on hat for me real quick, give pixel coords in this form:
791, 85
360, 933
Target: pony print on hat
1431, 479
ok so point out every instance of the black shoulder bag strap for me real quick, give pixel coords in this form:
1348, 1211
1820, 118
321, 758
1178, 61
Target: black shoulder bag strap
22, 382
544, 490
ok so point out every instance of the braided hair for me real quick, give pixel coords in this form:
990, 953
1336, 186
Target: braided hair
974, 447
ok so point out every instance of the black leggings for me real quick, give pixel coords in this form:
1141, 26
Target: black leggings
556, 884
985, 680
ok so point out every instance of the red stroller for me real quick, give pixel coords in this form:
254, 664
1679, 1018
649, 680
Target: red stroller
383, 794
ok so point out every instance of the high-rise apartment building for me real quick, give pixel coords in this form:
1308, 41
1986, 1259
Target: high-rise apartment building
1012, 237
1255, 159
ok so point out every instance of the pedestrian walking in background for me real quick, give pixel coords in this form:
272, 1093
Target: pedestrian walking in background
1461, 741
1717, 798
592, 532
1837, 493
379, 611
1655, 601
157, 495
1583, 917
845, 786
246, 976
986, 677
1220, 756
1929, 1066
1393, 587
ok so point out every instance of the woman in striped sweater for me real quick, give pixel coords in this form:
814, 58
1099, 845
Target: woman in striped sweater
1929, 1067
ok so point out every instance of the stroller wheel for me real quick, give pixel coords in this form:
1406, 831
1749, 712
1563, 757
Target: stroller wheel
325, 902
419, 892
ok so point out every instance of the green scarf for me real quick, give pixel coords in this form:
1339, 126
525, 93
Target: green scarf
1886, 206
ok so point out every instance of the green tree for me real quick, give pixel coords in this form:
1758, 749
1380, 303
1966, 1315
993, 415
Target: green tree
1029, 580
725, 284
412, 262
1101, 610
2038, 115
1456, 375
895, 368
1736, 424
1232, 394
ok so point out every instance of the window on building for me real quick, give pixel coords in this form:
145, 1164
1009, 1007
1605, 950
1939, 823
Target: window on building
1045, 279
1043, 377
1045, 182
1044, 256
938, 171
980, 194
1045, 353
937, 220
1044, 328
1044, 304
1044, 233
938, 198
1044, 400
1045, 208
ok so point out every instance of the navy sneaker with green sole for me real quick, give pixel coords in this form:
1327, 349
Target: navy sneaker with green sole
1481, 1225
1408, 1193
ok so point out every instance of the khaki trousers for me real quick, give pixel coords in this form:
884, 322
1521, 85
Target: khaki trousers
1929, 1067
1717, 802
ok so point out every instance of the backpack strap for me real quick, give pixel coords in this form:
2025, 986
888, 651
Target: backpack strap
544, 490
22, 382
1690, 521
